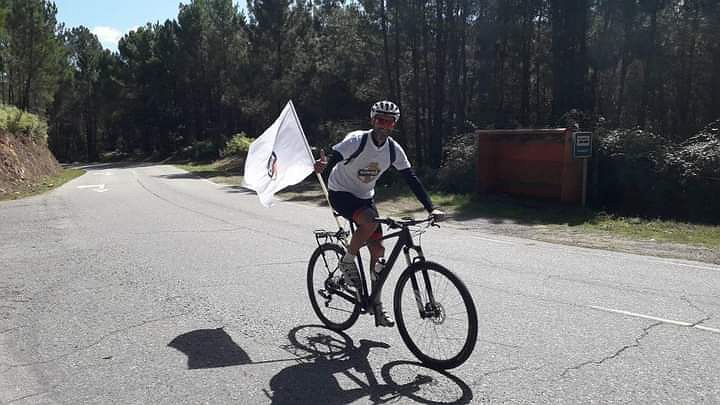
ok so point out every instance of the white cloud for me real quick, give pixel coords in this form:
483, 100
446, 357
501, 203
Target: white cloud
108, 36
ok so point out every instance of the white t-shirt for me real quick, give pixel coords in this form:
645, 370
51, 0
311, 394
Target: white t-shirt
360, 175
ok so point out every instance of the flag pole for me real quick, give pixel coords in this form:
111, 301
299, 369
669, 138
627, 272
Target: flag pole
319, 177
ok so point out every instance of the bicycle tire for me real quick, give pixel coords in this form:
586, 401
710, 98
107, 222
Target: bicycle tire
435, 322
319, 271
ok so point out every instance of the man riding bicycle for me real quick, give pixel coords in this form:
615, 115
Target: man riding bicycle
357, 162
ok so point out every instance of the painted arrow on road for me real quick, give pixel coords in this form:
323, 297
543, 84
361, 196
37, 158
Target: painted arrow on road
100, 188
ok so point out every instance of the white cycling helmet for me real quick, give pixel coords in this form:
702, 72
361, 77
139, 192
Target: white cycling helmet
385, 108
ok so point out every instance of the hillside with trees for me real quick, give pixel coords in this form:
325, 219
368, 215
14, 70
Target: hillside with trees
184, 87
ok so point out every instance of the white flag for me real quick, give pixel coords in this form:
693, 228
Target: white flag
280, 157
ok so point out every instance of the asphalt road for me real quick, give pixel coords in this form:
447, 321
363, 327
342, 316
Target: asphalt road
143, 284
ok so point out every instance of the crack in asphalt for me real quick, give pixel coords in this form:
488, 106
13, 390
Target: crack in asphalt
2, 332
707, 318
643, 335
172, 281
32, 395
222, 220
506, 345
95, 343
613, 285
692, 305
212, 231
500, 371
532, 297
697, 308
505, 370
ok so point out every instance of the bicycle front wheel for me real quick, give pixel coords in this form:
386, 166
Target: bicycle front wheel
435, 315
331, 298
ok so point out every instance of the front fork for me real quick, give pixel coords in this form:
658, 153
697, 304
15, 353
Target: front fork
429, 309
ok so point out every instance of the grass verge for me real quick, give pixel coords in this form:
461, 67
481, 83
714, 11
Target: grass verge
656, 230
502, 209
42, 185
398, 200
226, 171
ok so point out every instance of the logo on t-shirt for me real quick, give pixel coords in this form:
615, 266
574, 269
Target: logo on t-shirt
367, 174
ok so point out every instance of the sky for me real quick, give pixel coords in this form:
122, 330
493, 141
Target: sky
111, 19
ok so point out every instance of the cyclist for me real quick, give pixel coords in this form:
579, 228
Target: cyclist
357, 162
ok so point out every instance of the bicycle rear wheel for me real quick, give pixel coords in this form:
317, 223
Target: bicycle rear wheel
332, 300
436, 315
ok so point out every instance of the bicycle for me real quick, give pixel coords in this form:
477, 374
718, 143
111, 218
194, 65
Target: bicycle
421, 307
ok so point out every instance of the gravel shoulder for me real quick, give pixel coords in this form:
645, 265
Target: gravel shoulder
551, 233
311, 194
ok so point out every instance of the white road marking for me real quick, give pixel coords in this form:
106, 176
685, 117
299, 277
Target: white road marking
102, 174
504, 242
100, 188
614, 255
654, 318
219, 185
694, 266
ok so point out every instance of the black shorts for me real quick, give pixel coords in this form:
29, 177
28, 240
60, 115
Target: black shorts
347, 205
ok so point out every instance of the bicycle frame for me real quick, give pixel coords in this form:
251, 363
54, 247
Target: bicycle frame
404, 244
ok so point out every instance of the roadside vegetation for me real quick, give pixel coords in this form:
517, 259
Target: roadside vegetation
42, 185
449, 188
397, 200
18, 122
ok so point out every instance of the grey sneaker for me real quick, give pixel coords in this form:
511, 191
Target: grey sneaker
382, 318
350, 273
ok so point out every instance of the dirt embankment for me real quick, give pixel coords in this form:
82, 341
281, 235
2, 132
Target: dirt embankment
23, 161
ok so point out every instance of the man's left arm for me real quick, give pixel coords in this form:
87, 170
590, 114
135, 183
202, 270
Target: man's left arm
403, 165
417, 188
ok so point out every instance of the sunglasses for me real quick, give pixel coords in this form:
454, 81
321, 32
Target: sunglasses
384, 122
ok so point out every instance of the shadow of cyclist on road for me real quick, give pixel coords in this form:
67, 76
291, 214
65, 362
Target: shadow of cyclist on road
327, 353
210, 348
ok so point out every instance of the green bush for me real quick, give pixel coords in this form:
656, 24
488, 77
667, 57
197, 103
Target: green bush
18, 122
203, 151
238, 145
458, 172
642, 173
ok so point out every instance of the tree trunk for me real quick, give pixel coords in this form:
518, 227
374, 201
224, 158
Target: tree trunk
462, 94
526, 61
31, 64
629, 12
436, 136
684, 122
386, 47
397, 96
454, 64
714, 107
417, 96
649, 67
427, 94
538, 68
570, 64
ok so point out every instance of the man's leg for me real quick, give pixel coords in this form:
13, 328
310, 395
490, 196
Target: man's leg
366, 226
377, 251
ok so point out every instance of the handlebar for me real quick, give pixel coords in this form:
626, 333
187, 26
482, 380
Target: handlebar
405, 222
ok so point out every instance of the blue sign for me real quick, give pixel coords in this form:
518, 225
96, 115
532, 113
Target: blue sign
582, 145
